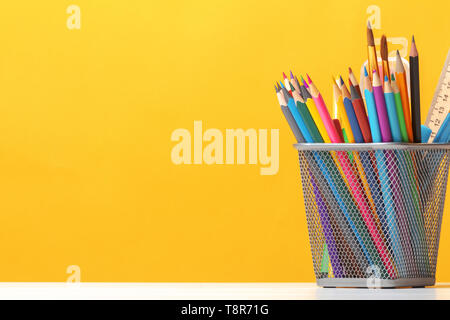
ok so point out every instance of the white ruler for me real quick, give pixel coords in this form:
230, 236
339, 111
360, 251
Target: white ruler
440, 106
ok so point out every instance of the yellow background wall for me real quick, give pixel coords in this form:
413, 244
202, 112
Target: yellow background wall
86, 118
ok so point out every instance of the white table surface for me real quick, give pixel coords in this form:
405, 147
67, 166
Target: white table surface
210, 291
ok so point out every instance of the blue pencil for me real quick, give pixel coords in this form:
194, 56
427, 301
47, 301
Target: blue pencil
351, 115
444, 131
392, 111
371, 108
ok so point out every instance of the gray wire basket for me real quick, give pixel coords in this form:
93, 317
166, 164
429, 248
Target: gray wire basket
374, 211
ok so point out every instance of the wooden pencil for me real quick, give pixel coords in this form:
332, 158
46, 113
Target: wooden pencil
287, 83
383, 118
399, 108
323, 111
342, 114
400, 75
415, 92
350, 110
287, 114
314, 113
354, 81
361, 114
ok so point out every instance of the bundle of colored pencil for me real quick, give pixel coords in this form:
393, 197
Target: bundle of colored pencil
392, 115
378, 111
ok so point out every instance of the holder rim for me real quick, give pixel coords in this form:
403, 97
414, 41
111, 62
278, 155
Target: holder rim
370, 146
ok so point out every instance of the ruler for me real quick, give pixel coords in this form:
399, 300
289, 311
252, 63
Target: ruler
440, 105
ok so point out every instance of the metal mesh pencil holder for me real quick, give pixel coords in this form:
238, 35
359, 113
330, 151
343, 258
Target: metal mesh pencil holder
374, 211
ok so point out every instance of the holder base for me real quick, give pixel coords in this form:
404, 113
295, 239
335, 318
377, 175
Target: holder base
382, 283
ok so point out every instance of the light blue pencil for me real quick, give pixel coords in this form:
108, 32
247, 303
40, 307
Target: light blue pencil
371, 108
392, 111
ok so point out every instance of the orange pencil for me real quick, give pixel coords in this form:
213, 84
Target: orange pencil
400, 75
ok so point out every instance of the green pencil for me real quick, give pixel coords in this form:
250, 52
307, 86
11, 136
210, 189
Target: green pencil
399, 108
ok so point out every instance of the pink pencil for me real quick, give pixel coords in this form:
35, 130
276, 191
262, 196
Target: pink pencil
357, 189
323, 112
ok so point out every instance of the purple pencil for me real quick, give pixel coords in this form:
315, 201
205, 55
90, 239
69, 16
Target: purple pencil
386, 135
328, 231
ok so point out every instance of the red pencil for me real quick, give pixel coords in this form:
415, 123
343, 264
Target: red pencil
361, 115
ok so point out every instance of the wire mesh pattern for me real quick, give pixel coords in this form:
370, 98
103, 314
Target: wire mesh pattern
374, 210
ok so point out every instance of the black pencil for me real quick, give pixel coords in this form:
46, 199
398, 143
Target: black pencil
415, 92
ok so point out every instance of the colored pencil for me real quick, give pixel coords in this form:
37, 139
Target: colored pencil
287, 83
354, 82
337, 125
361, 115
349, 109
442, 134
294, 83
323, 111
327, 229
392, 111
400, 75
415, 92
380, 103
289, 118
306, 116
399, 108
299, 120
371, 108
363, 207
314, 113
345, 123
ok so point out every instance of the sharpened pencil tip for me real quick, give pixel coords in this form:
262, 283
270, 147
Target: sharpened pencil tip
292, 76
309, 79
284, 75
281, 83
350, 70
365, 71
413, 39
386, 79
342, 80
305, 84
368, 24
392, 77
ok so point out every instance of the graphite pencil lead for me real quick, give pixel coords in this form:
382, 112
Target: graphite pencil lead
413, 52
